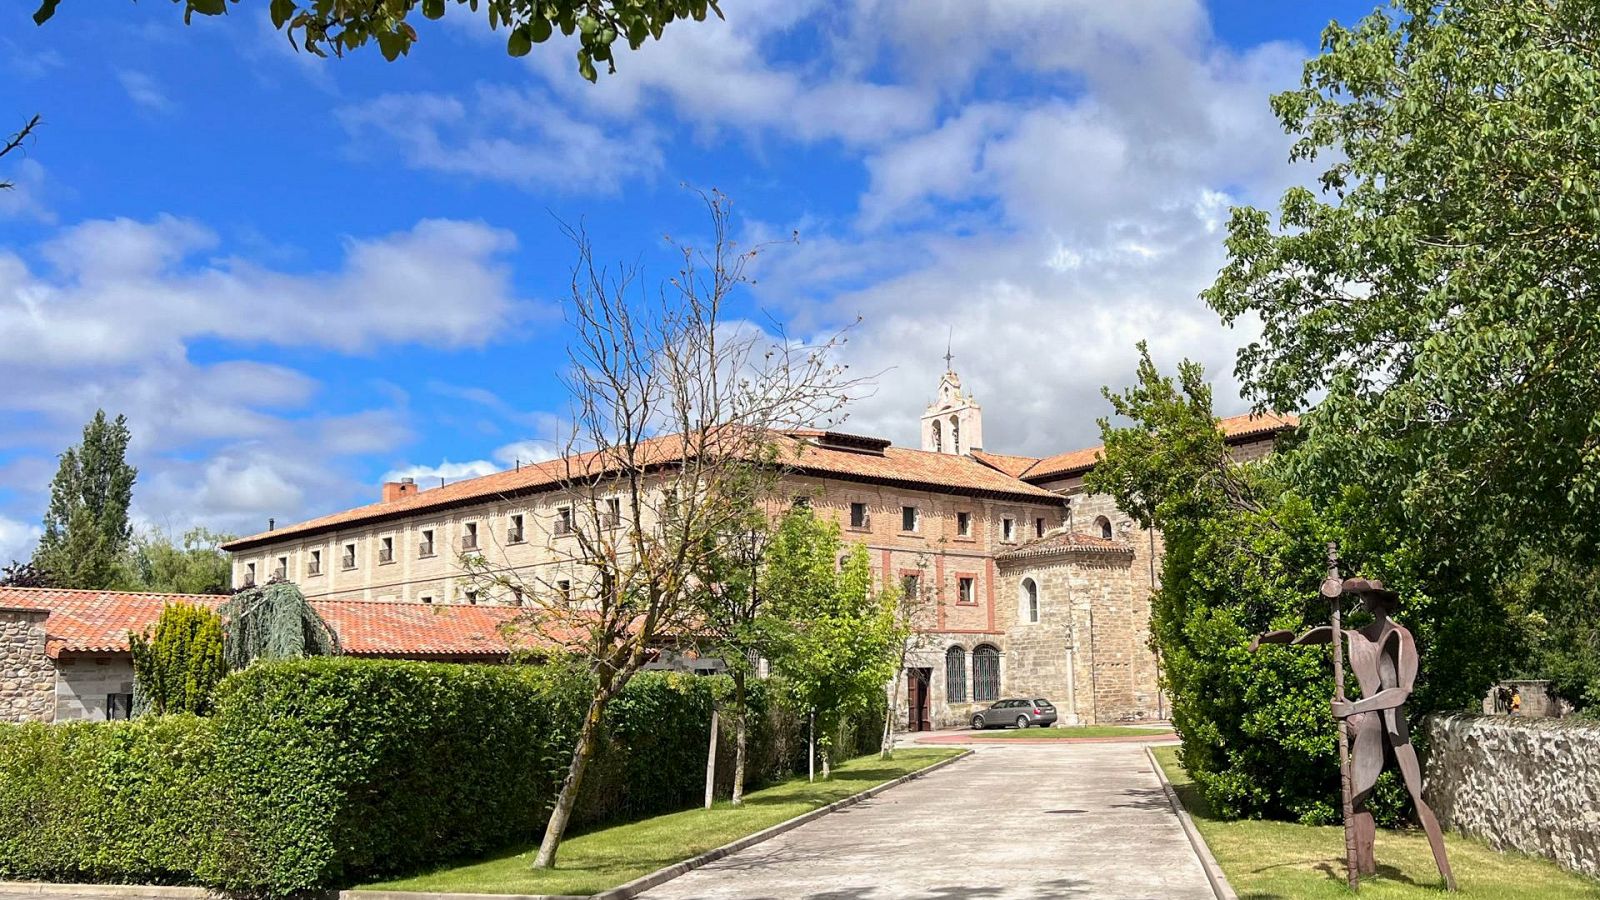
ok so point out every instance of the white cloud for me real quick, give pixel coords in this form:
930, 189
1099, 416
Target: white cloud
17, 540
143, 90
520, 137
445, 471
123, 291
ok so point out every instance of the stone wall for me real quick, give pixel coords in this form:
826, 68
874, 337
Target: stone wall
1524, 784
85, 685
27, 679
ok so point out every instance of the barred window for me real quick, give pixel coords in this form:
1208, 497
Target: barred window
985, 673
955, 674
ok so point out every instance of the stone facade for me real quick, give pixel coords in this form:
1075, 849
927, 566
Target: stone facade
27, 678
93, 687
1525, 784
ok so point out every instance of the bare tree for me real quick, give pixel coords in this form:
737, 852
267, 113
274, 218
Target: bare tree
15, 142
911, 620
680, 426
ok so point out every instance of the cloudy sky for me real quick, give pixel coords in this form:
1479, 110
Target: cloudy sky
297, 276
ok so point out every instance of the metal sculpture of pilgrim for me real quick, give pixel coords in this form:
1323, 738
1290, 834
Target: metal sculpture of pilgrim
1383, 657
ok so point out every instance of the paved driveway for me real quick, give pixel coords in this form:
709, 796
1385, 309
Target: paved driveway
1082, 820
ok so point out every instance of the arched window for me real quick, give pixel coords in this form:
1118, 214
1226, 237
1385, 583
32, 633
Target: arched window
938, 437
1029, 601
1104, 524
955, 435
955, 674
985, 673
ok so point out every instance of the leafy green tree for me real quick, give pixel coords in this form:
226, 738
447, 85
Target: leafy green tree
334, 26
1439, 287
734, 620
834, 638
86, 526
1244, 554
177, 669
196, 566
273, 621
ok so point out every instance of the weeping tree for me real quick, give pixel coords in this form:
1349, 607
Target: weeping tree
176, 668
274, 621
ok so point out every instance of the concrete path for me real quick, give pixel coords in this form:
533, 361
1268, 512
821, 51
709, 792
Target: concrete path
1007, 823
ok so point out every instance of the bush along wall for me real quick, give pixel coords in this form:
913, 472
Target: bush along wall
319, 773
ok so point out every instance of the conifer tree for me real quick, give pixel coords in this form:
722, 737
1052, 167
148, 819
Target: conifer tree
273, 621
176, 669
86, 526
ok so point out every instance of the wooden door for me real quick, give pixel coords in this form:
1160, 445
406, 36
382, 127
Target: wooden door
917, 716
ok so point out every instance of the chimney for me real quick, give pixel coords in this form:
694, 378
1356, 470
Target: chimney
272, 524
394, 490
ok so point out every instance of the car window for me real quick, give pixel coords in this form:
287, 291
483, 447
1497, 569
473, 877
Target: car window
1043, 703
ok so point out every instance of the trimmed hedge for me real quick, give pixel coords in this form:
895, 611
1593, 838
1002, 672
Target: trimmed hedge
322, 772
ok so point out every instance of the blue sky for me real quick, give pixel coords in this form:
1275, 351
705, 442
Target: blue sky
298, 276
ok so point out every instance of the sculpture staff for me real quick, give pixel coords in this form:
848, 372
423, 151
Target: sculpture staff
1383, 656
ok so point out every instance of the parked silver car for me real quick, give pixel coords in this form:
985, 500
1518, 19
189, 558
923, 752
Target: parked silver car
1018, 711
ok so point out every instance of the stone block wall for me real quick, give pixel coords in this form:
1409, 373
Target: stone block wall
27, 678
1520, 784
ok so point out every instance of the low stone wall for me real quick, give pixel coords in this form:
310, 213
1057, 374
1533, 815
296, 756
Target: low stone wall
27, 679
1524, 784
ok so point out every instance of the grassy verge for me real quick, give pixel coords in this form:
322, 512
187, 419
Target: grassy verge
1074, 731
1281, 859
606, 857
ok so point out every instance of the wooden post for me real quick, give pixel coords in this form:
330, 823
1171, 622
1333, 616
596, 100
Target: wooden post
711, 762
1333, 589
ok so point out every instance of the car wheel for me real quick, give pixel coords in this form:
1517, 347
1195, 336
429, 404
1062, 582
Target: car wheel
1022, 721
977, 723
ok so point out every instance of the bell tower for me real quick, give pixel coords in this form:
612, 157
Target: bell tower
953, 423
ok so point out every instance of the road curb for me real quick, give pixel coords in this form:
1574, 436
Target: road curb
127, 891
1208, 863
661, 876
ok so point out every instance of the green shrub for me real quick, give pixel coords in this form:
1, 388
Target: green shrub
319, 772
176, 669
108, 801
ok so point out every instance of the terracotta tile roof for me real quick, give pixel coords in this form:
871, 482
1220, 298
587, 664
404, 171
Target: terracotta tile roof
99, 622
1064, 542
1005, 462
812, 452
1235, 429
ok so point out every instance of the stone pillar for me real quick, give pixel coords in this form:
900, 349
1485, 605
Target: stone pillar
27, 677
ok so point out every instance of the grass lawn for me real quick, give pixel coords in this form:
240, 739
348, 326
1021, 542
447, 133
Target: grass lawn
1074, 731
606, 857
1281, 859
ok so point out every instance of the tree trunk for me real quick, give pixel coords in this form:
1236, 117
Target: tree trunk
811, 749
739, 737
711, 760
588, 742
887, 750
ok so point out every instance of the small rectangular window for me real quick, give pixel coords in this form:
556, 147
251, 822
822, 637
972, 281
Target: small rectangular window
964, 591
908, 518
514, 533
314, 567
911, 585
472, 597
349, 556
964, 524
425, 548
469, 541
613, 513
281, 571
427, 598
119, 706
1038, 527
249, 574
386, 550
1008, 529
858, 515
564, 520
564, 590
